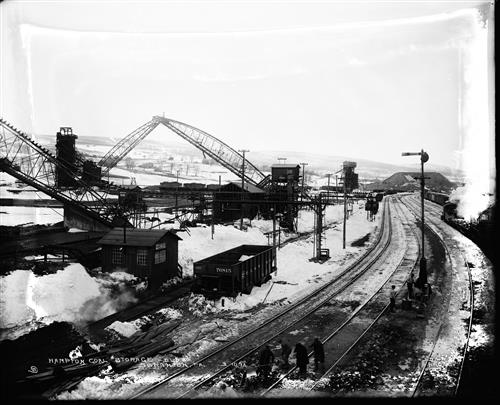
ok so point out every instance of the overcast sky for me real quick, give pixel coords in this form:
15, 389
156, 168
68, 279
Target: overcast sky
361, 79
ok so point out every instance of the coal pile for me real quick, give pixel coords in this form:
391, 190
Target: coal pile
37, 352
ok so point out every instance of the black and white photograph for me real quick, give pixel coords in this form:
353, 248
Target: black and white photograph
235, 199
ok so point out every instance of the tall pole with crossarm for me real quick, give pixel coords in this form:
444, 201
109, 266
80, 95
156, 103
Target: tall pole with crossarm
243, 151
424, 157
303, 175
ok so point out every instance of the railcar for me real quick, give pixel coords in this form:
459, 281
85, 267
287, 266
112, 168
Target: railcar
194, 186
234, 271
438, 198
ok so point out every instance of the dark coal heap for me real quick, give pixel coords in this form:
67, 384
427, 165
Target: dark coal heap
37, 351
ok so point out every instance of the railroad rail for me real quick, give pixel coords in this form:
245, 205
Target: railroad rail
415, 210
376, 295
306, 318
279, 317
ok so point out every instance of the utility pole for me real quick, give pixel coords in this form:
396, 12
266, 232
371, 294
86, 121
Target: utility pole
336, 190
177, 194
243, 151
424, 157
303, 175
319, 227
328, 187
345, 212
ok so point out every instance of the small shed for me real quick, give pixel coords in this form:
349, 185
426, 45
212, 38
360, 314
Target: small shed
151, 253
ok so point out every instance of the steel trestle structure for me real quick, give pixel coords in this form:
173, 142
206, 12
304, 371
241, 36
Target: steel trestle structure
26, 160
215, 148
23, 158
122, 148
208, 144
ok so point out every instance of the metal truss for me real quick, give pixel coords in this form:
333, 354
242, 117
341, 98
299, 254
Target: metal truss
122, 148
28, 161
215, 148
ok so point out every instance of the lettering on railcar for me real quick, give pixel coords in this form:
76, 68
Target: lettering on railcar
222, 270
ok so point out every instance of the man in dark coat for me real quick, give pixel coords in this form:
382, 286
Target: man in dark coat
392, 303
319, 354
266, 360
285, 352
410, 283
302, 359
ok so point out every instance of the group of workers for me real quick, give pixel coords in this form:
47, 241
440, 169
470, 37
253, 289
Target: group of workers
410, 283
266, 358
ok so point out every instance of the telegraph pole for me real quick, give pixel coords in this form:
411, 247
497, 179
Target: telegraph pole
243, 151
177, 195
424, 157
328, 187
345, 211
336, 190
303, 175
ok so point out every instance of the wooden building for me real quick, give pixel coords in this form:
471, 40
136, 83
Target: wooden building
283, 173
227, 210
141, 252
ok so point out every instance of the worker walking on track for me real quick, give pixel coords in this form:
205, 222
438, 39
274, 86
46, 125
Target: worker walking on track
392, 304
319, 355
266, 360
426, 293
285, 353
302, 358
410, 283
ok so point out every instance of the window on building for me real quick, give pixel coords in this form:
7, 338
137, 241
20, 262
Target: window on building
160, 252
116, 255
142, 257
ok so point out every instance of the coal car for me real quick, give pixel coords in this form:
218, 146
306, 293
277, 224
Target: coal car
438, 198
234, 271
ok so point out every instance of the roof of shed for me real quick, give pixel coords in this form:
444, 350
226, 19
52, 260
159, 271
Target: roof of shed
136, 237
284, 166
247, 187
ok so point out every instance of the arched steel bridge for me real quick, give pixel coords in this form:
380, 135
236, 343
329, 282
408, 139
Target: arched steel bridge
208, 144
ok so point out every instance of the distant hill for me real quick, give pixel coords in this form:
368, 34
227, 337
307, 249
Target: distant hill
406, 181
318, 164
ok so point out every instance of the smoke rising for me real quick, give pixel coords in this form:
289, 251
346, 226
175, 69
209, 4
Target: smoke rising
476, 158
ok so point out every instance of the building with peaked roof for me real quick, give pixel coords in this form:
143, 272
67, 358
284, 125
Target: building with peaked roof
227, 210
145, 253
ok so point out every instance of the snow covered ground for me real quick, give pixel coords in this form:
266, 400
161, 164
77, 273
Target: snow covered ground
73, 295
12, 216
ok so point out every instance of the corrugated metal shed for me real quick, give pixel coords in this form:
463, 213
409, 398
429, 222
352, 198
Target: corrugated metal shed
135, 237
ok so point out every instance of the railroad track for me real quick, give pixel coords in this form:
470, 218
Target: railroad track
297, 311
135, 314
310, 321
412, 205
366, 310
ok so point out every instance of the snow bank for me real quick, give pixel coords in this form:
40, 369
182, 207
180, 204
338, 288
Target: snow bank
124, 329
70, 295
12, 216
